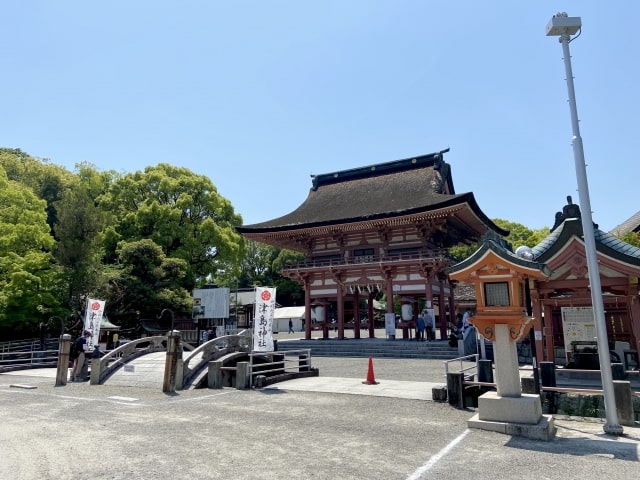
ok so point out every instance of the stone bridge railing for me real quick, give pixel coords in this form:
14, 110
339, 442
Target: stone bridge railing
194, 361
104, 366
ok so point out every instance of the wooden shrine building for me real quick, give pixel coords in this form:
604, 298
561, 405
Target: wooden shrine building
563, 301
379, 229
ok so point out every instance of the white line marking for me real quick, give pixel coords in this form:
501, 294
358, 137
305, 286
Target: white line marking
436, 458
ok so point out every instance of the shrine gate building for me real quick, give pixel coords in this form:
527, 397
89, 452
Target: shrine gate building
379, 229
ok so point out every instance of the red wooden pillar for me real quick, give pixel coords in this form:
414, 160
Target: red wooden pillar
634, 310
547, 334
307, 310
340, 312
390, 306
452, 305
538, 325
442, 309
356, 313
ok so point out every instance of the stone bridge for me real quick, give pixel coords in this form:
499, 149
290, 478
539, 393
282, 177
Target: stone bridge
142, 362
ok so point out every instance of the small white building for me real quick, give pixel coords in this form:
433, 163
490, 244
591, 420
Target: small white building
282, 316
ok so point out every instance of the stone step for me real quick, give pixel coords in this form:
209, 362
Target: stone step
373, 348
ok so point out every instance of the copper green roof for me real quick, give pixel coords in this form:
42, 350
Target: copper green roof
606, 243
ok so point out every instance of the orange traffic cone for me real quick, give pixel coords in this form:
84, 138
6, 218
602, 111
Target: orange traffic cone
371, 378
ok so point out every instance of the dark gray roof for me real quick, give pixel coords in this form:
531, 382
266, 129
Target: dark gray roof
398, 188
630, 225
605, 243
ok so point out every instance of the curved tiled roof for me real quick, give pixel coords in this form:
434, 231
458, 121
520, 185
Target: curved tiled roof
403, 187
605, 243
500, 248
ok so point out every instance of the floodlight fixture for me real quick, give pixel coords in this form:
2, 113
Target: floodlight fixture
563, 24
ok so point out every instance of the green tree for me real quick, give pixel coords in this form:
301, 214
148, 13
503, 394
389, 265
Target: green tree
632, 238
47, 180
145, 282
261, 265
519, 235
179, 211
78, 248
27, 275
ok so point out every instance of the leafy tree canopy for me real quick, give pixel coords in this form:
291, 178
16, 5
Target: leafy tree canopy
145, 282
519, 235
181, 212
26, 272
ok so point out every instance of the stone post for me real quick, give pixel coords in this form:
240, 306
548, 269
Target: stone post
624, 402
171, 363
506, 358
214, 374
242, 375
62, 373
94, 379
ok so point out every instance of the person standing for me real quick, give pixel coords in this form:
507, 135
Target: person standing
429, 327
290, 326
420, 329
80, 346
465, 319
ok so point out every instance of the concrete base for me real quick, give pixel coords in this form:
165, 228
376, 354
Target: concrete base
521, 416
523, 409
544, 430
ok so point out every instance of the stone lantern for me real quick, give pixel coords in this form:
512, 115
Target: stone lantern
499, 277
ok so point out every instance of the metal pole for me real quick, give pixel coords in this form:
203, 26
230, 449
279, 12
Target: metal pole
611, 426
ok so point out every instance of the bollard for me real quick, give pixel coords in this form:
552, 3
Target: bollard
548, 379
485, 371
618, 372
214, 374
528, 385
94, 375
62, 371
455, 389
439, 393
94, 378
242, 375
548, 374
624, 402
303, 363
171, 362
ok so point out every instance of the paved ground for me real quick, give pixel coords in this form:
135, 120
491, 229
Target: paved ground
292, 431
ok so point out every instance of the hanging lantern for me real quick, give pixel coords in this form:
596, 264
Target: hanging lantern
407, 312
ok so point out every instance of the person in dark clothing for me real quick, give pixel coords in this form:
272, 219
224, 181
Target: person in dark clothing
80, 345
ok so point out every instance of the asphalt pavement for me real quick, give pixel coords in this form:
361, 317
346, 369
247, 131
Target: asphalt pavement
329, 427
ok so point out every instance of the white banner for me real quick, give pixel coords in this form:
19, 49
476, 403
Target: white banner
92, 319
263, 319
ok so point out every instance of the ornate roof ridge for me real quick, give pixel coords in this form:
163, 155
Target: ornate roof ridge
432, 159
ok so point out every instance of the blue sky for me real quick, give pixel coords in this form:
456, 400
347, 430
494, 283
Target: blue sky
259, 95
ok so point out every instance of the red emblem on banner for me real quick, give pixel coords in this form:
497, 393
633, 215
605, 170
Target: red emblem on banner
265, 295
95, 306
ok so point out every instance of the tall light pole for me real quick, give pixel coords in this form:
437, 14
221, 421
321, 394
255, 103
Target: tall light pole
564, 26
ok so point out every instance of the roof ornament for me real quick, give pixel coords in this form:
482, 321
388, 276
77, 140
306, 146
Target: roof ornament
492, 236
570, 210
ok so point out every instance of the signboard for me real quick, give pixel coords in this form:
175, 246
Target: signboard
263, 322
390, 323
578, 324
210, 303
